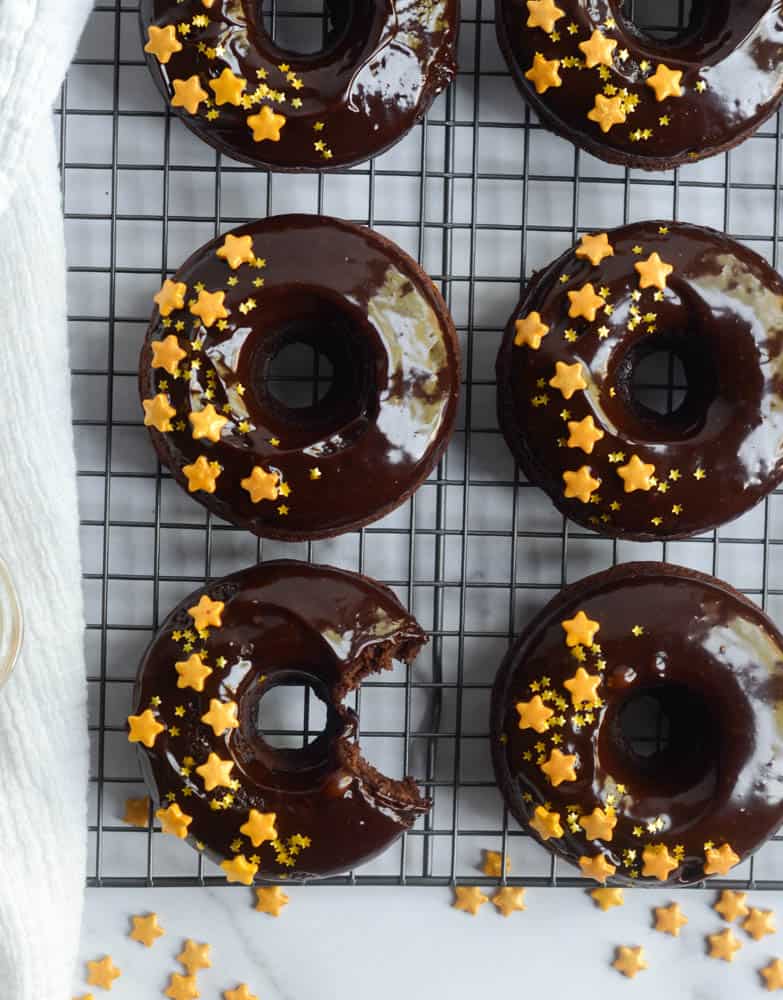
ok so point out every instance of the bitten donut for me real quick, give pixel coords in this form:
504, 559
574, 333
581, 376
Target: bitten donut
316, 470
565, 372
636, 726
254, 808
629, 98
383, 64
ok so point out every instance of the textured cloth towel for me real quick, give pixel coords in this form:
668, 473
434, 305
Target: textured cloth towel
43, 741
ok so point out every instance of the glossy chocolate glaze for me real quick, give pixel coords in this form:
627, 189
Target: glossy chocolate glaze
706, 652
383, 425
283, 622
721, 451
735, 49
384, 63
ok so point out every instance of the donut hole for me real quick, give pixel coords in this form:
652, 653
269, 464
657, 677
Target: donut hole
659, 19
305, 27
299, 376
700, 30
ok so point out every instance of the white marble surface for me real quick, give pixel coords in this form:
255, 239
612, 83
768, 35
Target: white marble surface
389, 943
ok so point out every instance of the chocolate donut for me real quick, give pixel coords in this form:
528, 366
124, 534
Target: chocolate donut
696, 792
565, 372
594, 78
253, 808
383, 64
300, 472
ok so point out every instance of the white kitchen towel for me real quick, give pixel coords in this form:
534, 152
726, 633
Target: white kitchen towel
43, 739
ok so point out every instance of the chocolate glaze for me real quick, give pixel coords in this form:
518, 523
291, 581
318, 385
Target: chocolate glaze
722, 313
715, 662
382, 427
384, 63
733, 48
284, 622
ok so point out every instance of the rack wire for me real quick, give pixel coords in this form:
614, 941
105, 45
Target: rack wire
481, 195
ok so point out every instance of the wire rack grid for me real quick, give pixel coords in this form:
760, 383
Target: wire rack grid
481, 195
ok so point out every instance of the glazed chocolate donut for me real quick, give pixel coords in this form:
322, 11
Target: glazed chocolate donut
629, 98
254, 808
566, 367
300, 472
383, 64
572, 692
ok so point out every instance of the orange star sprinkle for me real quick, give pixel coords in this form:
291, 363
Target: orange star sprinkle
544, 73
242, 992
598, 50
654, 272
222, 716
629, 961
216, 772
188, 94
731, 905
207, 613
606, 899
271, 900
228, 89
580, 485
194, 957
209, 307
174, 821
162, 42
584, 434
102, 973
530, 331
720, 861
724, 945
469, 899
266, 125
637, 475
580, 630
144, 728
585, 303
192, 672
670, 919
182, 987
137, 812
262, 485
543, 14
534, 714
608, 112
598, 825
658, 862
167, 354
595, 248
508, 900
583, 687
170, 298
773, 975
207, 423
202, 475
759, 923
568, 379
146, 930
158, 412
259, 827
237, 250
493, 862
239, 869
597, 867
559, 767
665, 82
546, 824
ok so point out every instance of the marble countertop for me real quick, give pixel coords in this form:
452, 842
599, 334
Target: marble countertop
386, 943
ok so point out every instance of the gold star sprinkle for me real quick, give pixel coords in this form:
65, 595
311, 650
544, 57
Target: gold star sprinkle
207, 423
665, 82
167, 354
315, 474
259, 827
262, 485
534, 714
629, 961
174, 821
209, 307
239, 869
585, 303
194, 957
608, 112
582, 685
102, 973
597, 867
182, 987
162, 43
222, 716
653, 272
584, 434
606, 899
595, 248
559, 767
568, 379
670, 919
266, 125
158, 412
580, 485
493, 863
731, 905
237, 250
580, 630
469, 899
544, 73
530, 331
508, 900
724, 945
598, 50
719, 861
759, 923
599, 825
546, 824
773, 975
188, 94
202, 475
228, 89
271, 900
137, 812
700, 474
207, 613
144, 728
216, 772
170, 298
146, 930
658, 862
543, 14
637, 475
242, 992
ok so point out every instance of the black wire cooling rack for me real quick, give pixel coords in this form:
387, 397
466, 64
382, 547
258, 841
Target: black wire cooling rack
481, 195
